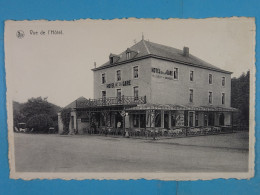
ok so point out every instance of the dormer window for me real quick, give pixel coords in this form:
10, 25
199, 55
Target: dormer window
111, 60
128, 55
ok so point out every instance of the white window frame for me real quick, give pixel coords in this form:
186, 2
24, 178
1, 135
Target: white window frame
192, 75
102, 93
134, 91
120, 75
128, 55
211, 97
121, 92
193, 122
223, 103
177, 73
211, 78
102, 78
222, 81
133, 72
192, 95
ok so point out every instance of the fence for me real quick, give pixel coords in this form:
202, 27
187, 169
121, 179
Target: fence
160, 132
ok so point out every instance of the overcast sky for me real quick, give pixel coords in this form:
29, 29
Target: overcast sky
59, 66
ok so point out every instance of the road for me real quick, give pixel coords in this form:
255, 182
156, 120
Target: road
88, 153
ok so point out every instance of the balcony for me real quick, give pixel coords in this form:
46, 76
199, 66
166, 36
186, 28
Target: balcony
111, 101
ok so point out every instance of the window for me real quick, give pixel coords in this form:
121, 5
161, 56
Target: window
223, 98
136, 120
196, 119
173, 120
118, 75
135, 93
118, 93
157, 118
205, 120
135, 72
223, 81
104, 93
103, 78
210, 78
111, 60
128, 55
191, 75
210, 97
191, 95
175, 73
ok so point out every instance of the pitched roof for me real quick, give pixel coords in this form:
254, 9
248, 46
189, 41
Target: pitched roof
145, 49
74, 103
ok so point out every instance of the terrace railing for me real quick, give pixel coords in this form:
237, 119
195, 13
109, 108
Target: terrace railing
111, 101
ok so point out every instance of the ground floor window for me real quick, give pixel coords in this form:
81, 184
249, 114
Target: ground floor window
196, 119
211, 119
205, 120
157, 118
142, 121
221, 119
136, 120
173, 120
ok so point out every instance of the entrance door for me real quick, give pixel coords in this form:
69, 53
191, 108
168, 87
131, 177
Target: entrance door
166, 121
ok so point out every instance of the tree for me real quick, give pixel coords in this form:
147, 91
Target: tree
34, 107
240, 98
40, 123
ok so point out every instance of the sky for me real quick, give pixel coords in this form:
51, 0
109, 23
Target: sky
58, 66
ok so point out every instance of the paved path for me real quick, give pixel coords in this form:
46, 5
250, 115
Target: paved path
56, 153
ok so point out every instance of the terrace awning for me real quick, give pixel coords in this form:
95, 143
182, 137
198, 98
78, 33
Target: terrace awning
181, 107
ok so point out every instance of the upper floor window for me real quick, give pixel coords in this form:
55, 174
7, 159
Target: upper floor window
191, 75
104, 94
135, 93
223, 98
175, 73
135, 72
210, 78
210, 97
103, 78
128, 55
191, 95
118, 93
223, 81
118, 75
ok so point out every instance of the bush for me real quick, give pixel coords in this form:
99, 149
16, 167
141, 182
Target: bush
40, 123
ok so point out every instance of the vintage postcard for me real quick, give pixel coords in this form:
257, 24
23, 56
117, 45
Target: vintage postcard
131, 98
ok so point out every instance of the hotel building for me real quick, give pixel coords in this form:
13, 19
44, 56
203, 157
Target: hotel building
149, 86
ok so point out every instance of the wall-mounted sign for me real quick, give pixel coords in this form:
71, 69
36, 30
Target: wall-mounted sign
119, 84
166, 74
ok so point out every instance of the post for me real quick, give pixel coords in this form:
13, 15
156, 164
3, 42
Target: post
232, 121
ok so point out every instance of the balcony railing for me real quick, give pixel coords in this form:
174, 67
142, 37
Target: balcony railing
111, 101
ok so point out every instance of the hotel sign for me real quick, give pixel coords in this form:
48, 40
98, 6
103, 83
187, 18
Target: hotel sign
158, 73
119, 84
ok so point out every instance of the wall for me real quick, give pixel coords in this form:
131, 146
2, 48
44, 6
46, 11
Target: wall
166, 91
143, 82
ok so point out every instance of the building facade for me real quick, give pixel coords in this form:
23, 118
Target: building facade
155, 86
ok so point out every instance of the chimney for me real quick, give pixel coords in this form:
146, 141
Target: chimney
186, 51
95, 64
